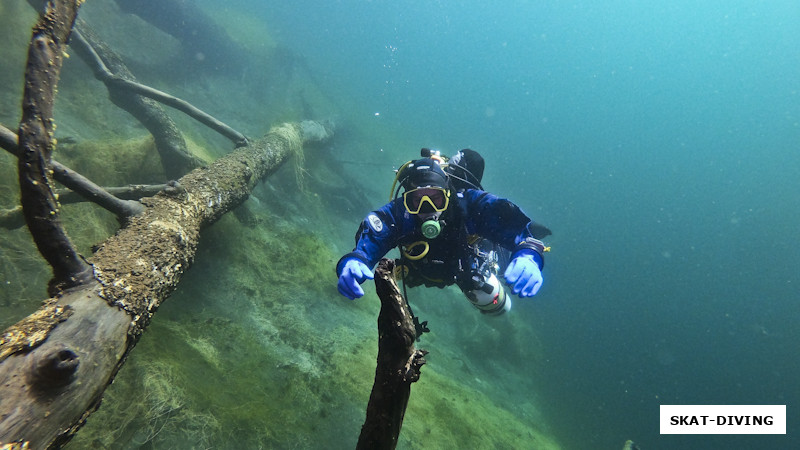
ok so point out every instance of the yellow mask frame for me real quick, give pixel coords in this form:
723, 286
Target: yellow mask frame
426, 198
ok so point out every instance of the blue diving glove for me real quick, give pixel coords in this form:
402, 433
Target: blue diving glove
524, 276
353, 274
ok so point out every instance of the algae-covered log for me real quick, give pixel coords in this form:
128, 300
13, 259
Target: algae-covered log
398, 365
55, 365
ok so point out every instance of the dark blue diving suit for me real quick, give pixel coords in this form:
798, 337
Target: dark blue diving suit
455, 255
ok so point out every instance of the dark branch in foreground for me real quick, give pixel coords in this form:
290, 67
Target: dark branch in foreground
39, 204
399, 365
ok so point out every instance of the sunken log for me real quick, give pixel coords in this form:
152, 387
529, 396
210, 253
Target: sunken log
56, 364
399, 364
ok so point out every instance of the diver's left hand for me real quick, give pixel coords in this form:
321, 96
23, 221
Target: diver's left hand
524, 276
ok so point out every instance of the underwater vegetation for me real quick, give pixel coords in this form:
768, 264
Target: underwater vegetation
255, 349
247, 355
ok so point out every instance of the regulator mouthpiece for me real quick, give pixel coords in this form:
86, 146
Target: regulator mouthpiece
431, 229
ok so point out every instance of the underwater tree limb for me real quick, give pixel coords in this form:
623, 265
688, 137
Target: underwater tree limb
129, 192
183, 106
36, 143
77, 183
56, 364
124, 196
94, 193
9, 140
123, 81
399, 365
176, 159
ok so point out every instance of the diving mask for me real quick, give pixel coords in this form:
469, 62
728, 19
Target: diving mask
438, 199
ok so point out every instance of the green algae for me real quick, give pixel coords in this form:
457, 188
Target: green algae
244, 356
443, 414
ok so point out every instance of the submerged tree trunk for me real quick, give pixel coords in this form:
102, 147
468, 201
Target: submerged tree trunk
398, 365
55, 364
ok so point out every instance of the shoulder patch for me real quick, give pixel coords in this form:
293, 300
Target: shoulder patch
375, 223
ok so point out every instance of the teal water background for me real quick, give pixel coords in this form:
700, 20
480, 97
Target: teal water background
659, 140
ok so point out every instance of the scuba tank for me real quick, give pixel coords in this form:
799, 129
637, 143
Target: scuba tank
489, 296
482, 288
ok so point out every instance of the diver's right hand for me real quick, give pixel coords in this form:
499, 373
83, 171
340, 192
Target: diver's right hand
353, 274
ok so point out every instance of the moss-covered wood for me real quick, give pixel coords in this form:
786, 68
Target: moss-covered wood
154, 249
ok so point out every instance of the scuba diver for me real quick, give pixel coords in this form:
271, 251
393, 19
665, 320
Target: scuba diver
449, 231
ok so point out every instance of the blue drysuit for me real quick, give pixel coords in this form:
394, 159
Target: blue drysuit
471, 215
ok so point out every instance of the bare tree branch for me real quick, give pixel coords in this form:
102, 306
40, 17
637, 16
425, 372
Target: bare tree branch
176, 159
129, 192
94, 193
39, 204
113, 81
9, 141
182, 105
12, 219
81, 185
